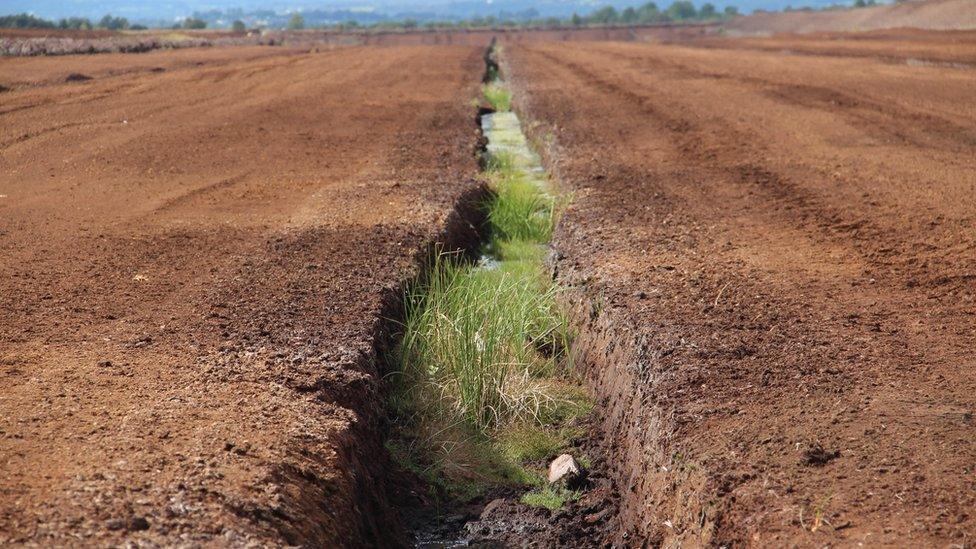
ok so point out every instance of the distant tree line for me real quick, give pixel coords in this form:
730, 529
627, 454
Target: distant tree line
680, 10
191, 23
677, 11
841, 6
27, 21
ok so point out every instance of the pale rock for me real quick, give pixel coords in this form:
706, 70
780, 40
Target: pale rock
563, 468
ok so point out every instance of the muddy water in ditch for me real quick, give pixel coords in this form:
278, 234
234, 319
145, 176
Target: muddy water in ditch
505, 137
504, 133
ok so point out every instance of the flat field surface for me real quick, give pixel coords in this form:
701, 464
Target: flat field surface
918, 14
192, 267
901, 46
785, 246
21, 72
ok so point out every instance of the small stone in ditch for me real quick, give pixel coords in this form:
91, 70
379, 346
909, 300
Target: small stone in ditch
563, 468
596, 517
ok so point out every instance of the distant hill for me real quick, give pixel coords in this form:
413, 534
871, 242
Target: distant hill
921, 14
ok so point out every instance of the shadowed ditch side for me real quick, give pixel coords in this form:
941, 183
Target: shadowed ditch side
368, 517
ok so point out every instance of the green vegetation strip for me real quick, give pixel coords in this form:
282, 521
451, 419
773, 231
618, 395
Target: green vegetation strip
498, 96
484, 394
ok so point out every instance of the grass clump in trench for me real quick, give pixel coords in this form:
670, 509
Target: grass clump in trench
522, 216
483, 395
481, 391
549, 496
498, 97
471, 343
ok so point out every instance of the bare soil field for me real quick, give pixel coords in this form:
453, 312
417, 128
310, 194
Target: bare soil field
773, 267
20, 72
35, 42
911, 46
770, 263
194, 266
918, 14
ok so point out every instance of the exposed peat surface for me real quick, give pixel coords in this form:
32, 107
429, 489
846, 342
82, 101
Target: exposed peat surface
753, 325
769, 259
195, 267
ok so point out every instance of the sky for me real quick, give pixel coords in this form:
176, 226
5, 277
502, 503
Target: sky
149, 10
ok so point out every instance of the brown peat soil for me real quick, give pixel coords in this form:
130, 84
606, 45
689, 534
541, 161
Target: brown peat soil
917, 14
22, 72
954, 49
193, 269
770, 257
773, 263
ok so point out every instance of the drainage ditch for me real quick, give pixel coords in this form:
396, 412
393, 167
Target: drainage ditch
488, 421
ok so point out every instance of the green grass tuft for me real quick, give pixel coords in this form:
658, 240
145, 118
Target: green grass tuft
480, 391
519, 208
525, 443
501, 163
550, 497
519, 250
471, 341
498, 97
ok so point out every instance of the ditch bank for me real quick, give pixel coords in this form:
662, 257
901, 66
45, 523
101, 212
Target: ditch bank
658, 498
344, 499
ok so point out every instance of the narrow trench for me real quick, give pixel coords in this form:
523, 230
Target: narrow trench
484, 407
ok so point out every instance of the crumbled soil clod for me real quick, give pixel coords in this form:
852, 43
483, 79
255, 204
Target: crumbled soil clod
132, 524
817, 456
